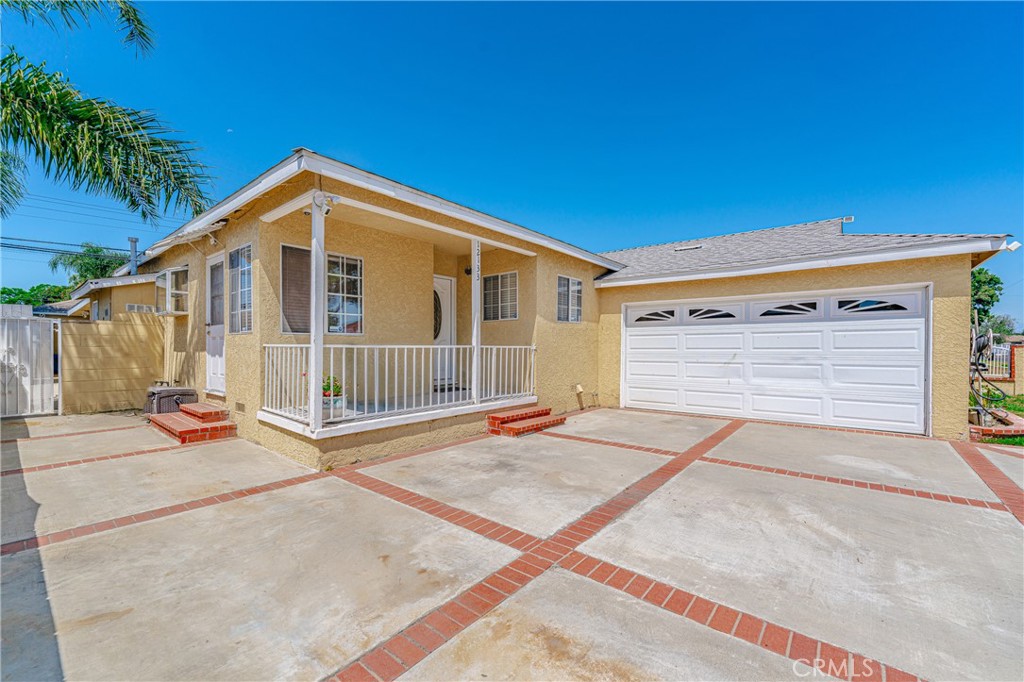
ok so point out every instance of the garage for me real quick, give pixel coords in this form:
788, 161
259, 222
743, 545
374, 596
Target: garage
855, 359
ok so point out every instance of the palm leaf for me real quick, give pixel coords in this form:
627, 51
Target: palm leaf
12, 182
96, 145
126, 15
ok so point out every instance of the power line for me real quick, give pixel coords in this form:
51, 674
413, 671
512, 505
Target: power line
141, 228
44, 241
80, 204
61, 252
86, 215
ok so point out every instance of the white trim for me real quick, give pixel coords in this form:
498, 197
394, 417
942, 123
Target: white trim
306, 160
387, 422
80, 303
959, 247
569, 309
477, 315
107, 282
317, 312
228, 289
454, 303
484, 278
306, 198
905, 286
280, 269
929, 309
362, 296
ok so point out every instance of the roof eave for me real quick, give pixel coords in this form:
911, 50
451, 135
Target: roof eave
306, 160
975, 245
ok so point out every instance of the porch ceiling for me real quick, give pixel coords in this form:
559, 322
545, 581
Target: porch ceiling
442, 241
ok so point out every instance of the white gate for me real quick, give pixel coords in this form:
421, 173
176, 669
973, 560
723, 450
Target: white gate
29, 366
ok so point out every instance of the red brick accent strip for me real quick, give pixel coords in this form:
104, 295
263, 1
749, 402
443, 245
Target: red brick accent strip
994, 478
866, 485
386, 662
1001, 450
89, 460
468, 520
827, 658
68, 435
101, 526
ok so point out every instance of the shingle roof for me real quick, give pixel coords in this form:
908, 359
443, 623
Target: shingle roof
58, 307
803, 241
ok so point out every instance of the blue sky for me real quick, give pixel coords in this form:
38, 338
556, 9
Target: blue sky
606, 125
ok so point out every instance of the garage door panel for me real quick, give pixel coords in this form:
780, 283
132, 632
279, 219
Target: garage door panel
653, 396
776, 372
875, 412
695, 340
883, 377
884, 340
712, 370
719, 401
653, 342
839, 366
780, 406
653, 369
787, 340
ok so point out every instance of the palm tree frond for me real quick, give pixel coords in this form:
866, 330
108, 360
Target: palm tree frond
96, 145
12, 182
126, 15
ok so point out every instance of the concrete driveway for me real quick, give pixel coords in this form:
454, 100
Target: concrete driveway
622, 545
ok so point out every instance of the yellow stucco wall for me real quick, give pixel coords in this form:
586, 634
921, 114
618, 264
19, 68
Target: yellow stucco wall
949, 275
108, 365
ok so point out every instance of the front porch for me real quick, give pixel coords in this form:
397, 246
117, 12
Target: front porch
381, 346
371, 387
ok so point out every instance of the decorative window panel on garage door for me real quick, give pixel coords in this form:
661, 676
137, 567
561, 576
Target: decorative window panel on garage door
851, 359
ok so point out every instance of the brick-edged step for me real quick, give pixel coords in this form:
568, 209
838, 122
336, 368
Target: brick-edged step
204, 412
527, 426
185, 428
495, 420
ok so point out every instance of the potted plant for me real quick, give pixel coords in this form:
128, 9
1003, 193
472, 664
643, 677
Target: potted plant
332, 393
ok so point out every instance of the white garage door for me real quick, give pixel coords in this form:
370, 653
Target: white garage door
851, 359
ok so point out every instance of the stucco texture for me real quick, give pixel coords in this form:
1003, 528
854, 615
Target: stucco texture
950, 277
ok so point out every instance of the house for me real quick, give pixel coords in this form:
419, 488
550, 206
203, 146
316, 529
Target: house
74, 308
110, 295
338, 314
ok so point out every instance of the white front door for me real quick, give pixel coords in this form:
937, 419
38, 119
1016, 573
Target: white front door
444, 332
215, 324
856, 359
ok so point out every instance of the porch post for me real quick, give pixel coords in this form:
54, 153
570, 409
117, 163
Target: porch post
317, 310
476, 284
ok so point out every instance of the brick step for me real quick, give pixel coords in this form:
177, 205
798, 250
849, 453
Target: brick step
187, 429
496, 419
527, 426
204, 412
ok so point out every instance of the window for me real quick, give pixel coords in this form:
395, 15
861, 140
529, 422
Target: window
709, 314
501, 297
344, 292
172, 292
240, 296
294, 290
657, 316
798, 308
868, 305
570, 299
344, 295
139, 308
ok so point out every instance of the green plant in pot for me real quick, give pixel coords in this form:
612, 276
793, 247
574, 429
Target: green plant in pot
332, 393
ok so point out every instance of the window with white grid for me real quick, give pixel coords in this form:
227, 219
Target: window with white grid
501, 297
240, 301
570, 299
344, 295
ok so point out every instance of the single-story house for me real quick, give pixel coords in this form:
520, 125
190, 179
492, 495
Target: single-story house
108, 296
336, 313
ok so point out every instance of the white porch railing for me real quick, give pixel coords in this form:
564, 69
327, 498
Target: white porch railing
364, 382
999, 362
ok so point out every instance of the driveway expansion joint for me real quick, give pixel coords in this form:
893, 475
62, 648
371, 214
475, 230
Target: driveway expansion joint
90, 460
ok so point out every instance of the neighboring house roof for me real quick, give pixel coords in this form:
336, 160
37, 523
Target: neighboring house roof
815, 244
107, 282
61, 308
303, 159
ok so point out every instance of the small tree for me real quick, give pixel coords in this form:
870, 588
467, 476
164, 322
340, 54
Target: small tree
986, 288
92, 262
1001, 325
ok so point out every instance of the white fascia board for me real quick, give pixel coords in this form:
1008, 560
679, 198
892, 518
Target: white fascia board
78, 306
107, 282
305, 199
907, 253
344, 173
